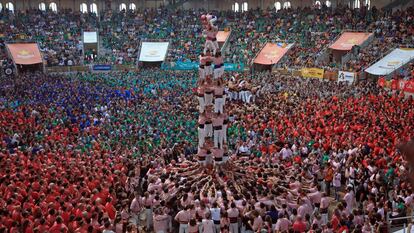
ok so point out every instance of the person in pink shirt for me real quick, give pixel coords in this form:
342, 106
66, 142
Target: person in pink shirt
183, 218
325, 202
207, 225
257, 221
282, 223
160, 221
148, 202
136, 206
211, 40
193, 227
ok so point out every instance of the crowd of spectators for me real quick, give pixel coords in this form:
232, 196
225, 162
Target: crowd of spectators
94, 152
121, 33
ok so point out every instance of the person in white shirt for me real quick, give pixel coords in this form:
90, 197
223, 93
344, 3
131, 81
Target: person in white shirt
286, 152
215, 216
337, 183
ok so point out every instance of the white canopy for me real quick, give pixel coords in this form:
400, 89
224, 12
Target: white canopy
391, 62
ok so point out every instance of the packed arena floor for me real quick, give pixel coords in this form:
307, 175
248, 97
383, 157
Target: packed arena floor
88, 152
205, 150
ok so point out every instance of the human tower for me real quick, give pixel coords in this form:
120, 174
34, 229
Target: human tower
213, 120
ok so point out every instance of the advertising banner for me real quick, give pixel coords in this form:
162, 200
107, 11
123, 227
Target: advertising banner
391, 62
394, 84
102, 67
90, 37
272, 53
180, 65
25, 54
348, 39
153, 51
312, 72
222, 36
344, 76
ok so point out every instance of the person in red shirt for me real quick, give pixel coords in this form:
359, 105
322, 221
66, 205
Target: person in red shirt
58, 226
299, 226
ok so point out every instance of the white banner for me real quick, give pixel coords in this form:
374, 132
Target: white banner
391, 62
344, 76
90, 37
153, 51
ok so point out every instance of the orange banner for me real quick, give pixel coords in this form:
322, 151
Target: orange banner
349, 39
222, 36
271, 53
25, 54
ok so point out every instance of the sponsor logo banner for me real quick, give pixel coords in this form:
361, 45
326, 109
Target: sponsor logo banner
401, 85
90, 37
344, 76
348, 39
25, 54
272, 53
391, 62
222, 36
312, 73
180, 65
153, 51
102, 67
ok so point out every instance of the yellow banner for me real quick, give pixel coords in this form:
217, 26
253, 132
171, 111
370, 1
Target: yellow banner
312, 72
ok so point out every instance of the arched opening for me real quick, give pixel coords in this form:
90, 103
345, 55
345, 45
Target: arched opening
278, 6
122, 7
10, 7
328, 3
356, 4
245, 7
94, 8
42, 6
235, 7
286, 5
132, 6
83, 8
53, 7
368, 3
318, 4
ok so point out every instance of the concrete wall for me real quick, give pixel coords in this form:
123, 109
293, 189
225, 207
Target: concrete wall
207, 4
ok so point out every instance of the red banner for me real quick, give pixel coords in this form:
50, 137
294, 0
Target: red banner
271, 53
402, 85
222, 36
348, 39
25, 54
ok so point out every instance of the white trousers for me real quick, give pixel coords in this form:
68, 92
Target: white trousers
218, 72
183, 228
148, 212
208, 130
201, 104
201, 73
201, 137
208, 99
208, 70
211, 45
218, 138
219, 104
224, 133
234, 95
234, 228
